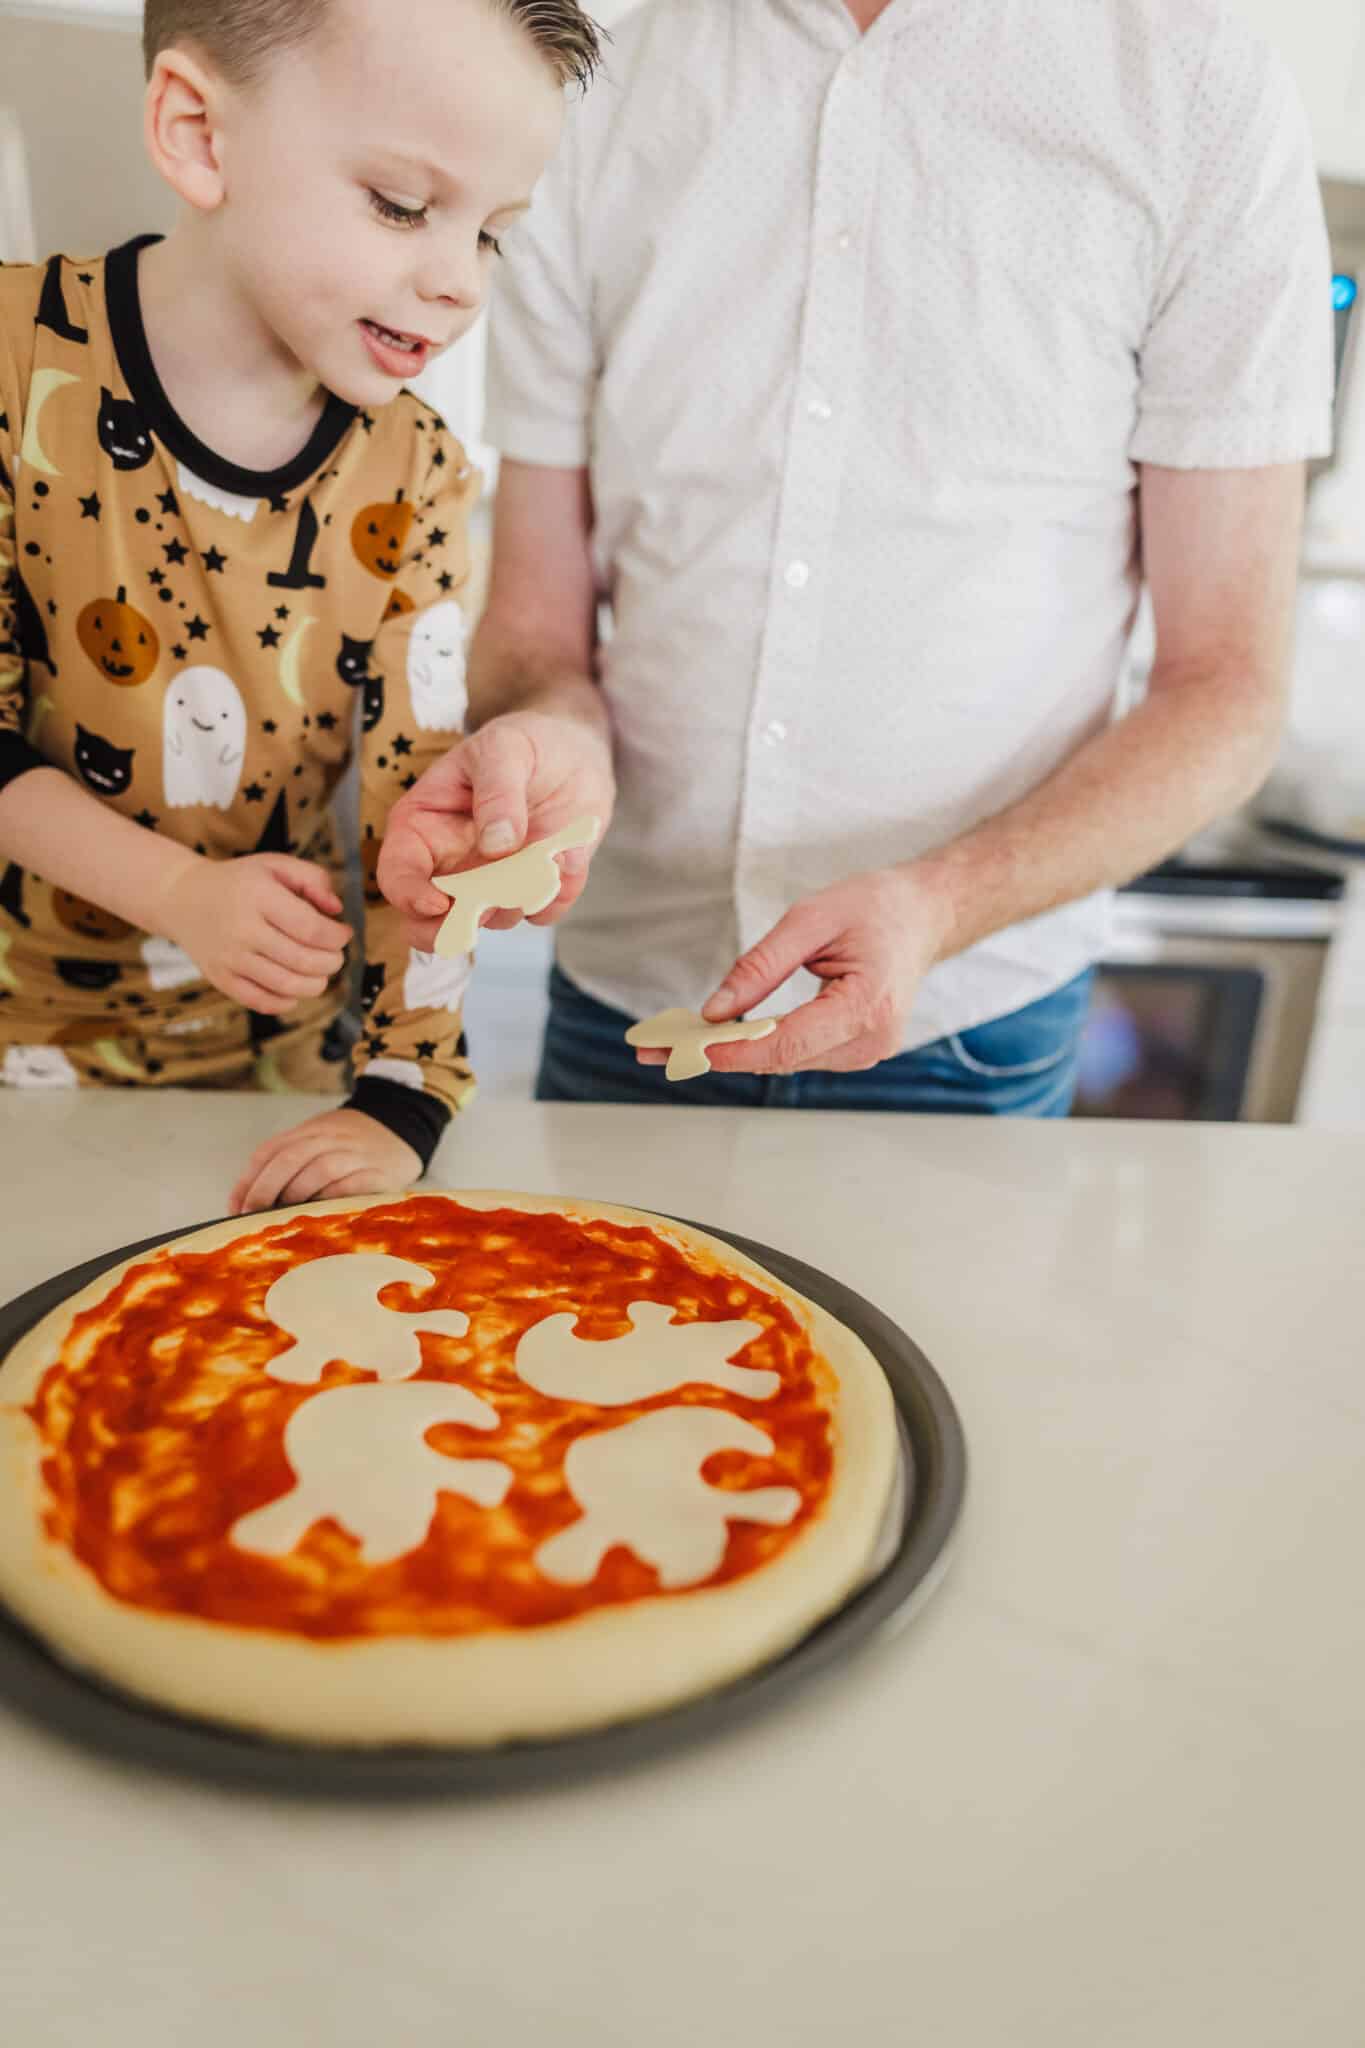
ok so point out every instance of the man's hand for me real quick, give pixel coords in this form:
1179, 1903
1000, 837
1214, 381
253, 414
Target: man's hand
870, 939
264, 929
341, 1152
518, 778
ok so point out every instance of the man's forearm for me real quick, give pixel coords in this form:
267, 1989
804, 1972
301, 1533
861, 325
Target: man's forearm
508, 673
1193, 750
53, 827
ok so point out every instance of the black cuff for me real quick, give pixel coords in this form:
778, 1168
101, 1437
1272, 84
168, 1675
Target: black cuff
17, 757
415, 1117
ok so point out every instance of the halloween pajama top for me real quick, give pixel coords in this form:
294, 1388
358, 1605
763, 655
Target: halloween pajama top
198, 644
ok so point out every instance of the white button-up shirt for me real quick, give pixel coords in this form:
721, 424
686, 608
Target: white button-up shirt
863, 338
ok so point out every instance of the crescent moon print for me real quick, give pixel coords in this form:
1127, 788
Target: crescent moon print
289, 661
45, 382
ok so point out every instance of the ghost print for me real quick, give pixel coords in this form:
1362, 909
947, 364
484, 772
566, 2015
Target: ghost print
37, 1066
436, 667
432, 982
203, 739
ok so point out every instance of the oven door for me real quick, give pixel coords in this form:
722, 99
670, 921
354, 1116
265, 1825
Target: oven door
1204, 1029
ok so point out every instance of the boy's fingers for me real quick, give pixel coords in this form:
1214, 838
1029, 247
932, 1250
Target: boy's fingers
283, 981
308, 880
299, 921
309, 960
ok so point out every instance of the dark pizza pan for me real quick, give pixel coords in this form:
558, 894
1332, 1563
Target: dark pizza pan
84, 1709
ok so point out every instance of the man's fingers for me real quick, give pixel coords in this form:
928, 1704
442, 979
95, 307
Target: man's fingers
809, 1037
499, 762
406, 866
793, 940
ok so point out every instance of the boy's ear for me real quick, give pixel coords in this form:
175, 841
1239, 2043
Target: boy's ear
180, 116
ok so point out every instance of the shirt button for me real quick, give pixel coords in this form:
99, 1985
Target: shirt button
820, 409
845, 239
774, 733
796, 575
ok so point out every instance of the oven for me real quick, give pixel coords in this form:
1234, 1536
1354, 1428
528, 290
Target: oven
1204, 1005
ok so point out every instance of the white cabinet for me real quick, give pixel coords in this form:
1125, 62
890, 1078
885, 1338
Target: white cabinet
1323, 42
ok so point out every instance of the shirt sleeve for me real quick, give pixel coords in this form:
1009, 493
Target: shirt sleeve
1237, 364
542, 353
410, 1065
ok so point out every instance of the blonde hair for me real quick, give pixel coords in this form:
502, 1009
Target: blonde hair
241, 36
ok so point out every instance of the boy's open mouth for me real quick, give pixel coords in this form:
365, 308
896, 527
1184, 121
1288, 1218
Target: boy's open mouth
402, 355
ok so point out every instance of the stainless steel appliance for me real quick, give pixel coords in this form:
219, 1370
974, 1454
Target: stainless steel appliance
1204, 1007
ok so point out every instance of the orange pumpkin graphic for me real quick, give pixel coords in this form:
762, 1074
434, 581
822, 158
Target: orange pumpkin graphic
378, 536
122, 643
88, 919
399, 602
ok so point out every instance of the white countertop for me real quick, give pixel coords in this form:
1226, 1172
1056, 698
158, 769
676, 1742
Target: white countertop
1106, 1791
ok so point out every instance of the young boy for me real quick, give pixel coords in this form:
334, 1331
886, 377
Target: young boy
225, 531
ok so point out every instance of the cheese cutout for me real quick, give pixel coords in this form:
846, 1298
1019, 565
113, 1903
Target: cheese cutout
657, 1357
329, 1308
640, 1486
527, 881
359, 1457
689, 1034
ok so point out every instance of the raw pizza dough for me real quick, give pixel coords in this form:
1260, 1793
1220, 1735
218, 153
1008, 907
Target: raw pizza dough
591, 1464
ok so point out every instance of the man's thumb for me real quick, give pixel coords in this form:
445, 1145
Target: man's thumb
499, 766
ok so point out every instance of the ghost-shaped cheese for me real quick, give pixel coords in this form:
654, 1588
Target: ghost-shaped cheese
167, 965
657, 1357
330, 1307
436, 666
37, 1066
359, 1456
203, 739
431, 983
640, 1486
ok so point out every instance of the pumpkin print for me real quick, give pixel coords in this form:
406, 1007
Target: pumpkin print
122, 643
399, 602
88, 919
378, 536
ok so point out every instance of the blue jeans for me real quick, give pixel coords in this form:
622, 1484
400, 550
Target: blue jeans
1020, 1065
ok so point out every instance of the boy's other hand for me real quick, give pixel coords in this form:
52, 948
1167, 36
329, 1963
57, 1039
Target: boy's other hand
265, 929
341, 1152
518, 778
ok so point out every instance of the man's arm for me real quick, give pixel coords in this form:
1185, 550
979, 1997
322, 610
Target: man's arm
1220, 551
539, 750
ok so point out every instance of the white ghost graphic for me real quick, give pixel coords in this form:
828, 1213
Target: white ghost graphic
406, 1073
38, 1066
436, 667
167, 966
230, 502
204, 738
433, 983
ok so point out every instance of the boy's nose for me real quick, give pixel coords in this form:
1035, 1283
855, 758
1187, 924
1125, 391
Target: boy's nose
457, 281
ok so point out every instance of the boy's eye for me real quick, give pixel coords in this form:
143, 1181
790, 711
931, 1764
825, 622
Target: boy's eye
487, 241
396, 215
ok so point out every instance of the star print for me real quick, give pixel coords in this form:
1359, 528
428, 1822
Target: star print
147, 818
90, 507
281, 611
197, 628
156, 575
168, 502
268, 637
326, 720
446, 580
382, 1020
178, 653
426, 1048
438, 536
253, 793
214, 562
175, 551
408, 781
438, 460
155, 1066
269, 726
401, 743
376, 1047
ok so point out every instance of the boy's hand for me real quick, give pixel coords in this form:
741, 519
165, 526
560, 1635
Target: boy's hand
265, 929
341, 1152
518, 778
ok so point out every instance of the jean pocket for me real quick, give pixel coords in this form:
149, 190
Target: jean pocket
1029, 1041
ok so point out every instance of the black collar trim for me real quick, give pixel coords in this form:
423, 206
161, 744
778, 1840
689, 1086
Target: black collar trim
149, 395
